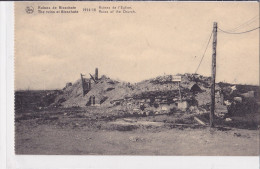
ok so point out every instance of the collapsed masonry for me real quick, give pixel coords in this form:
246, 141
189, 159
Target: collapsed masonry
86, 82
168, 97
156, 102
155, 96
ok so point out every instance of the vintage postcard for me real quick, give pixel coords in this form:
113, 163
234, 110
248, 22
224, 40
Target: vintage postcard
137, 78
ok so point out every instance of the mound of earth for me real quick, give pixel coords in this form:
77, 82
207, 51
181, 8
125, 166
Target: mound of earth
154, 92
104, 92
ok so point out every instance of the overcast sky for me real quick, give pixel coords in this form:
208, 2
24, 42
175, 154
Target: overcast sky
160, 38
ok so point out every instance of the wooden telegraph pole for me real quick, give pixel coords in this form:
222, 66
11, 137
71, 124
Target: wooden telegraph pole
213, 73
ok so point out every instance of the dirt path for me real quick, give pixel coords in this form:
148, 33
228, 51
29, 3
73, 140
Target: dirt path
48, 139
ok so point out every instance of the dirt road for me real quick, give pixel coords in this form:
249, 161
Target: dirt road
50, 139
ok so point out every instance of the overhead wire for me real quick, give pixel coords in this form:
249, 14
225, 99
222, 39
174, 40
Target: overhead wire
229, 32
204, 52
244, 24
238, 32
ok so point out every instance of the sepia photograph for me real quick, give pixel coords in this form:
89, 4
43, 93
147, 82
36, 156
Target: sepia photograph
136, 78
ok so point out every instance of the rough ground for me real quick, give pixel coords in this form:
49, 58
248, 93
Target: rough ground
68, 131
138, 119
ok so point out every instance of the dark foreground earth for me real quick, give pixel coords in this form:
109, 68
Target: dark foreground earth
90, 132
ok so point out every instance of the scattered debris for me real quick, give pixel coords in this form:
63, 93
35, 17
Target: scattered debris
223, 128
249, 94
237, 134
228, 119
154, 97
227, 102
199, 121
136, 139
233, 88
129, 120
238, 99
221, 110
183, 105
68, 84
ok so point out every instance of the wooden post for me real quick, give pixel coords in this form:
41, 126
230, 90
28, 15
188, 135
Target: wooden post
213, 73
96, 74
83, 86
180, 91
93, 78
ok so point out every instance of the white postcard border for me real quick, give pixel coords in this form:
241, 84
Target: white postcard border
10, 160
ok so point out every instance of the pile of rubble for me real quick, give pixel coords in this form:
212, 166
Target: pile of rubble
156, 96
